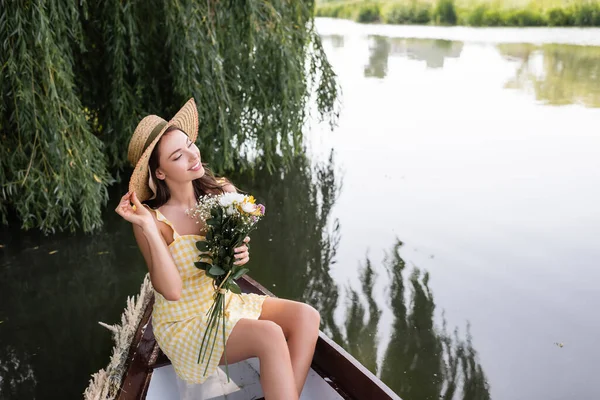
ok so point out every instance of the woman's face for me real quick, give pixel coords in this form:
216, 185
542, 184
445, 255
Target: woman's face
179, 159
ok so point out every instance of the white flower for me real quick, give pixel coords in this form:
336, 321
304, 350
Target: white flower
248, 207
228, 199
230, 210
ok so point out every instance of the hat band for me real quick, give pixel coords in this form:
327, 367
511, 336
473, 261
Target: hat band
154, 134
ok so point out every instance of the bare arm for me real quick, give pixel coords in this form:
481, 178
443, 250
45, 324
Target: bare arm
163, 272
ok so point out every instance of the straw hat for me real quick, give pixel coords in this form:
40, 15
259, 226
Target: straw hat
146, 136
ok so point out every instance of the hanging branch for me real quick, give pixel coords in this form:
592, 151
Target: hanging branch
76, 78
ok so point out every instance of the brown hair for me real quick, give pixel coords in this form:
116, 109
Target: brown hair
206, 184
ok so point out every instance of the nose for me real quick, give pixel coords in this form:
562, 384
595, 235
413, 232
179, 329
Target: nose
194, 154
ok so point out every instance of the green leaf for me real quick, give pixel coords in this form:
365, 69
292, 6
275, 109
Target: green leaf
202, 265
209, 235
234, 287
216, 270
202, 245
212, 221
240, 273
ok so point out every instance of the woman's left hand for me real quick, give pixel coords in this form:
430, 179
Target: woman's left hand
241, 253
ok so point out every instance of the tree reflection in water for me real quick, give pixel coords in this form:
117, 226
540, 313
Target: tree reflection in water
50, 329
558, 74
296, 243
422, 362
433, 51
294, 249
54, 291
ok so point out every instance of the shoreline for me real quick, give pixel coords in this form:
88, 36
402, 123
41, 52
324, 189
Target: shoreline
495, 35
473, 13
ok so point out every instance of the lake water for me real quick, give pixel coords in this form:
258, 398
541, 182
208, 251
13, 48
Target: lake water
447, 229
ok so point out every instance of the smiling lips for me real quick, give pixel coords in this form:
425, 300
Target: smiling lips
196, 167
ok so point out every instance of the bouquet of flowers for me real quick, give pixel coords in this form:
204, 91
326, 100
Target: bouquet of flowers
229, 218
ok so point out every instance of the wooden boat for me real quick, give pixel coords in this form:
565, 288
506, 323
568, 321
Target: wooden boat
334, 373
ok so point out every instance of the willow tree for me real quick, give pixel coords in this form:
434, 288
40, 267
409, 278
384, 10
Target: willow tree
76, 77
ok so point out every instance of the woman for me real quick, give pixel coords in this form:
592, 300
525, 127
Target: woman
167, 180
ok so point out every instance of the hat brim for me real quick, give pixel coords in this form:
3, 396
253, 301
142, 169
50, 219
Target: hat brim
185, 119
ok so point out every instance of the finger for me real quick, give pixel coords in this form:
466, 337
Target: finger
125, 196
136, 201
121, 210
243, 261
124, 202
124, 205
241, 249
246, 239
242, 255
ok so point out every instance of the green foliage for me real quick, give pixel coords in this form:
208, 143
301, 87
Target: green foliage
216, 270
202, 246
76, 78
238, 274
234, 287
445, 12
53, 169
558, 17
368, 12
524, 17
585, 13
414, 12
466, 12
202, 265
477, 16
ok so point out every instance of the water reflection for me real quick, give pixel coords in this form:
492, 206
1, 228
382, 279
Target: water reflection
379, 53
337, 41
420, 361
50, 328
52, 302
292, 255
557, 74
294, 247
433, 51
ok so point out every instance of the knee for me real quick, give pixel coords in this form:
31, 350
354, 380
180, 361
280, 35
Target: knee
271, 334
309, 318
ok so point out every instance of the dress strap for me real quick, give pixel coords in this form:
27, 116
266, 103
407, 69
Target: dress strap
162, 218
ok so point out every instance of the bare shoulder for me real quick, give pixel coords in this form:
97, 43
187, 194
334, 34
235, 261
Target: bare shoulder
139, 234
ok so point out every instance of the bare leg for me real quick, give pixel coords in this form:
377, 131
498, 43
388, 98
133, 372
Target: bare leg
300, 325
265, 340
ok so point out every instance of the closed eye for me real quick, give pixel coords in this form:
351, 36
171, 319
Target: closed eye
179, 156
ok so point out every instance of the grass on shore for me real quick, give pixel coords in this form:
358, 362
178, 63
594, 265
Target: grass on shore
466, 12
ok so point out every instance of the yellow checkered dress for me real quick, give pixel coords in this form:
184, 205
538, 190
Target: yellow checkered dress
180, 325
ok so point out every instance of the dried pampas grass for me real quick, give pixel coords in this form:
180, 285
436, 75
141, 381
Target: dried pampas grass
105, 383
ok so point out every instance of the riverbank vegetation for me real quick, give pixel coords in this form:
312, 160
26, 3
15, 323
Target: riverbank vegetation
517, 13
76, 78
